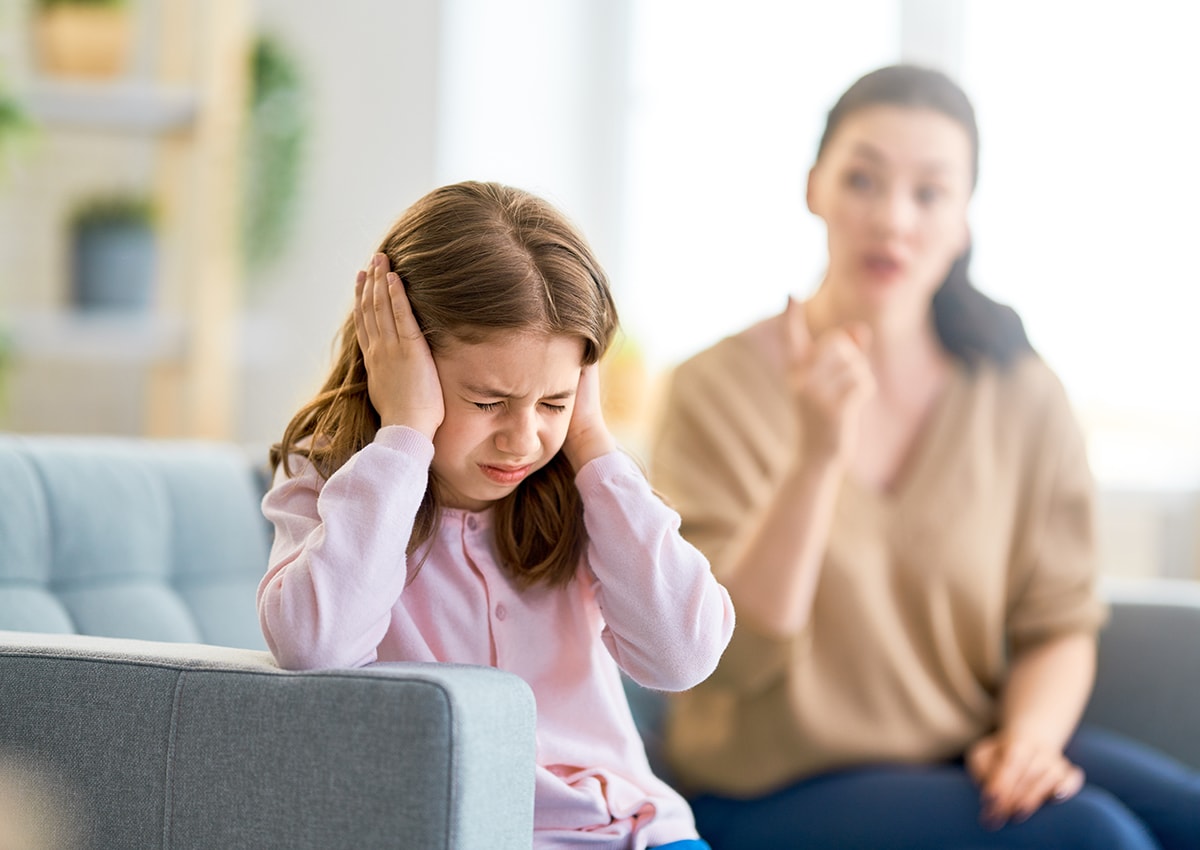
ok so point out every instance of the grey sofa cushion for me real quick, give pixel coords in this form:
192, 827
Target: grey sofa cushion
157, 540
1148, 675
182, 746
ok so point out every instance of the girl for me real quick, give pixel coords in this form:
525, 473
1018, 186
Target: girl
901, 509
453, 494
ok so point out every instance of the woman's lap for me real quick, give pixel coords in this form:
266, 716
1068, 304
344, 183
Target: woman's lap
900, 806
1164, 793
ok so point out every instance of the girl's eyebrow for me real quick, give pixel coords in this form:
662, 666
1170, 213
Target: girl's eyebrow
489, 392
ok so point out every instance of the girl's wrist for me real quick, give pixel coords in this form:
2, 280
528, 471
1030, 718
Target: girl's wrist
587, 450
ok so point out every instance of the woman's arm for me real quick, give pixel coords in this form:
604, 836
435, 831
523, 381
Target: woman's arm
774, 578
1021, 765
1051, 591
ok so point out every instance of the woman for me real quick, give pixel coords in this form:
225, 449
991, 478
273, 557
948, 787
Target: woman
892, 487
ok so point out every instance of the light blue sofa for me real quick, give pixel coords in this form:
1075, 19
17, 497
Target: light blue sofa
139, 708
136, 692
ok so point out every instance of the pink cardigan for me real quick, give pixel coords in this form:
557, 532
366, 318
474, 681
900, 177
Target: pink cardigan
643, 600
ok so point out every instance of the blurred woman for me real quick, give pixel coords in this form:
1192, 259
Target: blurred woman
893, 488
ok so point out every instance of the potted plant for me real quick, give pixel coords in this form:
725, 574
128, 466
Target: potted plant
15, 128
274, 147
83, 38
114, 253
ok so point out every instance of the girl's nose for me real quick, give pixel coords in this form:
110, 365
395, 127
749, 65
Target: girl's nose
519, 435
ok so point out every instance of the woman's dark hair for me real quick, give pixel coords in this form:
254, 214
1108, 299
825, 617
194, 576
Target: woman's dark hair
970, 325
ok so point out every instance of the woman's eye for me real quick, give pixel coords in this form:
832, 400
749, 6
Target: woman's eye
859, 180
928, 194
488, 405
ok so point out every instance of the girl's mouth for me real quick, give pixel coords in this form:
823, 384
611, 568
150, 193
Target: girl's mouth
505, 474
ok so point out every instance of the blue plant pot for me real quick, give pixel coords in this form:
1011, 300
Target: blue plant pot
114, 266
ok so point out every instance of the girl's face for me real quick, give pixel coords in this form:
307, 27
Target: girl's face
892, 185
508, 404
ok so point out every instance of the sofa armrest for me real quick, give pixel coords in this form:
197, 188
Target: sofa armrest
1148, 677
150, 744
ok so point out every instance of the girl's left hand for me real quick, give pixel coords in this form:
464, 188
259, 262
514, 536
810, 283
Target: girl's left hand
588, 436
1016, 776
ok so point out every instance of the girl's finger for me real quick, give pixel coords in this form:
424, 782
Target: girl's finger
360, 331
402, 315
382, 299
366, 303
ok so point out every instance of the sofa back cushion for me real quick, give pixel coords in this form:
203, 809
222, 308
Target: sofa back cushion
135, 538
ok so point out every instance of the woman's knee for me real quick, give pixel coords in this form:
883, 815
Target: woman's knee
1093, 819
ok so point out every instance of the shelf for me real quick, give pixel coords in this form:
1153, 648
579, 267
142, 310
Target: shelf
95, 337
122, 107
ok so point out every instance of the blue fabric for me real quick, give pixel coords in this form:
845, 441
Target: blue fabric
152, 539
687, 844
1135, 799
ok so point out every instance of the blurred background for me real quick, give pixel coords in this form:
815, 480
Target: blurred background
188, 186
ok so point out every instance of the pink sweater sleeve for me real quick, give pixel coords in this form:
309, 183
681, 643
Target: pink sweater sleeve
338, 565
667, 619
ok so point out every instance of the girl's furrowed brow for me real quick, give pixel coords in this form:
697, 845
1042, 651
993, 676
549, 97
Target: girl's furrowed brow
491, 392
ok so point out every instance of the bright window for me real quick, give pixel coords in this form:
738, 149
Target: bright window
1087, 217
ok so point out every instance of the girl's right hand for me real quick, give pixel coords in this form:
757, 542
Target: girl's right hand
832, 381
402, 379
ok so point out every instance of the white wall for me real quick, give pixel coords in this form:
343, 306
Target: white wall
373, 68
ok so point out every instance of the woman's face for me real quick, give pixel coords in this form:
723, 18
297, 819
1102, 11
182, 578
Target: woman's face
892, 186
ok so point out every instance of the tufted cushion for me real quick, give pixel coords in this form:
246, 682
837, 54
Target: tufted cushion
135, 538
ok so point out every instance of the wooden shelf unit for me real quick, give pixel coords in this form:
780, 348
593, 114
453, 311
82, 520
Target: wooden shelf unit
190, 103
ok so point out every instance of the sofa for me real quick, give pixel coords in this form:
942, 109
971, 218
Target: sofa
141, 708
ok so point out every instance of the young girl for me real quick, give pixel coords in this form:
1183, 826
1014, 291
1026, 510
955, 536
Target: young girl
453, 494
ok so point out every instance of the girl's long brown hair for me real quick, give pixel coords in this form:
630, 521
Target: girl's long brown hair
476, 258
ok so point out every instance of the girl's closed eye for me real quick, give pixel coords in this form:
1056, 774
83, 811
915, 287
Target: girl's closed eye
489, 405
554, 408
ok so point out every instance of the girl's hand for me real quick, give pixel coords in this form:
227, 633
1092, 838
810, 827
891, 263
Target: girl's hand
402, 378
588, 436
1016, 776
831, 379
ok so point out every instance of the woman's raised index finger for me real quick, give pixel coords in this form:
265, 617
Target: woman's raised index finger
795, 328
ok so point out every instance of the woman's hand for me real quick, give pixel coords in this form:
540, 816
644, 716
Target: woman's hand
832, 380
588, 436
1017, 775
402, 378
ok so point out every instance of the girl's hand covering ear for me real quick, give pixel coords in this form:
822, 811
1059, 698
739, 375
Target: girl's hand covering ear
588, 436
402, 379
